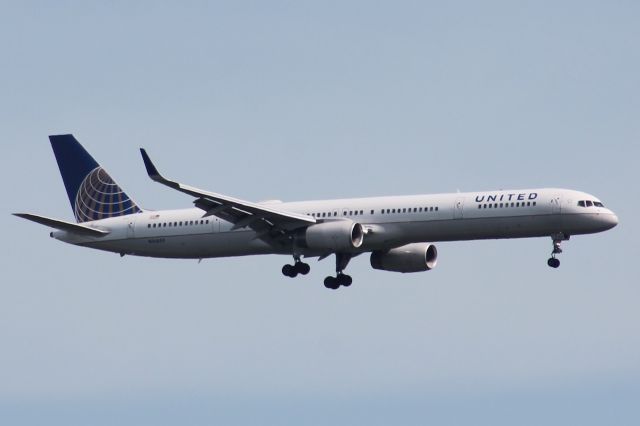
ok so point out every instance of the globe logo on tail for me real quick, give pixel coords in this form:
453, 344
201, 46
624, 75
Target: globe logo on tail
99, 197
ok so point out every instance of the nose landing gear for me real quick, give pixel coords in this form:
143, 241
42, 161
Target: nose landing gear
557, 239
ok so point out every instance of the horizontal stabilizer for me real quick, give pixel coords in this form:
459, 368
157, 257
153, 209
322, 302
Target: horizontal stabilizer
63, 226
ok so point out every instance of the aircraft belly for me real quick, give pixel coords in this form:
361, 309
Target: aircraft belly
189, 246
499, 227
464, 229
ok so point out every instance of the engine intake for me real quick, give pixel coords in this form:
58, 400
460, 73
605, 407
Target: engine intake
416, 257
335, 236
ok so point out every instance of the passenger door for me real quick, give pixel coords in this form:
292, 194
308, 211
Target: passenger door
131, 226
458, 208
555, 205
215, 224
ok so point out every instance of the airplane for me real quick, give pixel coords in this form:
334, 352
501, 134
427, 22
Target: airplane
398, 231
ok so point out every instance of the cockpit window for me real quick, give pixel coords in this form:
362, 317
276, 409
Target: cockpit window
590, 203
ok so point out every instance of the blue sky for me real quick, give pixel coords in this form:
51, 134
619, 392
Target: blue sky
312, 100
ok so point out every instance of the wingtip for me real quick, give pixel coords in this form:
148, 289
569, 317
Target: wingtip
148, 164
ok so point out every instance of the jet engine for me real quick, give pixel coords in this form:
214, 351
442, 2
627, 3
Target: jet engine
416, 257
339, 235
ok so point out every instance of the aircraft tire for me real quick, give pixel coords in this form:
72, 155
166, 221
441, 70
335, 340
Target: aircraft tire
331, 283
289, 271
302, 268
553, 262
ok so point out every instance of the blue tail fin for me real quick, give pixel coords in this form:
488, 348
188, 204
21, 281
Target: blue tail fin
92, 192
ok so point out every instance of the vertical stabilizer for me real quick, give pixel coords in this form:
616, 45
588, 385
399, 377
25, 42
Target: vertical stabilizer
93, 194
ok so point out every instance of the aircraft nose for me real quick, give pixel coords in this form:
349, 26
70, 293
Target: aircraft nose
610, 220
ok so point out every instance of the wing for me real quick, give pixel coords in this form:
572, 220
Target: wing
265, 220
63, 226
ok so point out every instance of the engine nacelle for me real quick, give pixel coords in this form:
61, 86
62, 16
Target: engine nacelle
416, 257
334, 236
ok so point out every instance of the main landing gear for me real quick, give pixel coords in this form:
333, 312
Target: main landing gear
341, 279
557, 239
298, 267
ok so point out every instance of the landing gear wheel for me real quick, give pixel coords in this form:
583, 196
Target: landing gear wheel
553, 262
344, 280
331, 283
302, 268
289, 271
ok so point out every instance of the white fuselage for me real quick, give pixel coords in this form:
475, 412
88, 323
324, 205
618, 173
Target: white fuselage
388, 222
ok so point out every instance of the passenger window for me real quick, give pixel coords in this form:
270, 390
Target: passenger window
148, 225
512, 204
500, 205
420, 209
490, 205
431, 209
436, 208
371, 211
335, 213
485, 206
479, 206
534, 203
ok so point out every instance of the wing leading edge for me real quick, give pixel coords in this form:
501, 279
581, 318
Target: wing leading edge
261, 218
